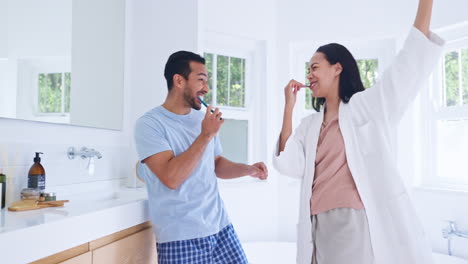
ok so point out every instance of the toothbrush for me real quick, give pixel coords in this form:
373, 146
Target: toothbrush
203, 102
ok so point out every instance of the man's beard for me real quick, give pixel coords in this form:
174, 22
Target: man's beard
190, 100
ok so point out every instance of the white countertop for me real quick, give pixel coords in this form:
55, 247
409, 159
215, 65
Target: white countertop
31, 235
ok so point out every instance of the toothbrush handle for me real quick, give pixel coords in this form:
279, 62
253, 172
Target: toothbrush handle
203, 102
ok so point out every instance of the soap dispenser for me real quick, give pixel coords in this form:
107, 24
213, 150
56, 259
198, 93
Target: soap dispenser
36, 176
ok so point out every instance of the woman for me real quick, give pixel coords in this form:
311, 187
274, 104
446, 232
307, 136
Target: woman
354, 207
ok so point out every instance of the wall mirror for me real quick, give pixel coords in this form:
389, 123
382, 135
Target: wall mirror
62, 61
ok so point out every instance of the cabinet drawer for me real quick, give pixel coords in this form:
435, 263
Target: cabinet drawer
81, 259
139, 248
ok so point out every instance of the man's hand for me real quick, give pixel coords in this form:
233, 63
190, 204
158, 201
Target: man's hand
212, 122
258, 170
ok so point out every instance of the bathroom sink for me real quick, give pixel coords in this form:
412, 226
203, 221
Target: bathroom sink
123, 194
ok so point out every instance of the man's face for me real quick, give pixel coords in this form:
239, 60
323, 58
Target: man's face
196, 85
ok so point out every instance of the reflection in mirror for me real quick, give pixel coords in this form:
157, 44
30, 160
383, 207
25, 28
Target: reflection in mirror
61, 61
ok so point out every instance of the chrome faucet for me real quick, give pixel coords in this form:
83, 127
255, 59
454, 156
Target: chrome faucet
451, 231
83, 153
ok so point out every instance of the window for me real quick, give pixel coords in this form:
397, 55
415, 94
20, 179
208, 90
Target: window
234, 137
368, 69
235, 78
448, 120
452, 150
54, 93
455, 78
226, 80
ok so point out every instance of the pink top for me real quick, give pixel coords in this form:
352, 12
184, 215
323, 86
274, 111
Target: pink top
333, 185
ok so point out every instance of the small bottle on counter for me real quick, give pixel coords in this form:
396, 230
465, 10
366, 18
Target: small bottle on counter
30, 194
36, 175
47, 197
2, 189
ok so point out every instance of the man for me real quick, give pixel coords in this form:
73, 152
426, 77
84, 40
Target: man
180, 159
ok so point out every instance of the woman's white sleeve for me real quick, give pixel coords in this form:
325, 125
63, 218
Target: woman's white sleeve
400, 83
291, 161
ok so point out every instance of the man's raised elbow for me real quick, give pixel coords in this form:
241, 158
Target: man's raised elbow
171, 184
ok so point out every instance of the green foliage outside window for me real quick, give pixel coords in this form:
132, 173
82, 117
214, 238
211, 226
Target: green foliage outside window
369, 71
230, 80
209, 67
236, 89
67, 92
464, 61
222, 83
451, 79
455, 80
308, 92
50, 92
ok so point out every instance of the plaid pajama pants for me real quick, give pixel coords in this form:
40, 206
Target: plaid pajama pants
221, 248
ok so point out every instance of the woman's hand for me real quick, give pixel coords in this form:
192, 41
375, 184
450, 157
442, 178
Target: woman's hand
290, 93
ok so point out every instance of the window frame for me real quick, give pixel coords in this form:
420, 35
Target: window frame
36, 87
29, 69
247, 85
250, 50
435, 110
247, 65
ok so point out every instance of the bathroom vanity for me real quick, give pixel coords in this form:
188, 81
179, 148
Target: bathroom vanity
104, 227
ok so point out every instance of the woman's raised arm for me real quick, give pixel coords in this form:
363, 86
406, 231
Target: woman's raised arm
423, 16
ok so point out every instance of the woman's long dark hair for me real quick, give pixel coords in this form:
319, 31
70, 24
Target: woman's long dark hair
350, 80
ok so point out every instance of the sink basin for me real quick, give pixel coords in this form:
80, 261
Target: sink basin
124, 194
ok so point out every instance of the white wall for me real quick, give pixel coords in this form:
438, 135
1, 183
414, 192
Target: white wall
20, 139
156, 29
3, 52
435, 208
251, 206
3, 29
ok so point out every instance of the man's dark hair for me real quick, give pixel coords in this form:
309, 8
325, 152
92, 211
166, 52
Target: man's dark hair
179, 63
350, 80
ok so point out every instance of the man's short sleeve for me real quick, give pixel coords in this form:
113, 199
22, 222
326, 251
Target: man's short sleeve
150, 138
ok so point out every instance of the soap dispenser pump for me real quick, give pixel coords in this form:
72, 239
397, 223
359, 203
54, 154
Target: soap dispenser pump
36, 175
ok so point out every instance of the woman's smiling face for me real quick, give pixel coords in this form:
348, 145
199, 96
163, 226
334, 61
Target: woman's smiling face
323, 76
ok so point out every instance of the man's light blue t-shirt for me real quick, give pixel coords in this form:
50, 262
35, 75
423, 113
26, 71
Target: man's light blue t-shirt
195, 209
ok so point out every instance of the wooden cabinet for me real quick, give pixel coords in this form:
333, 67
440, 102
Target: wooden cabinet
85, 258
134, 245
63, 256
139, 248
